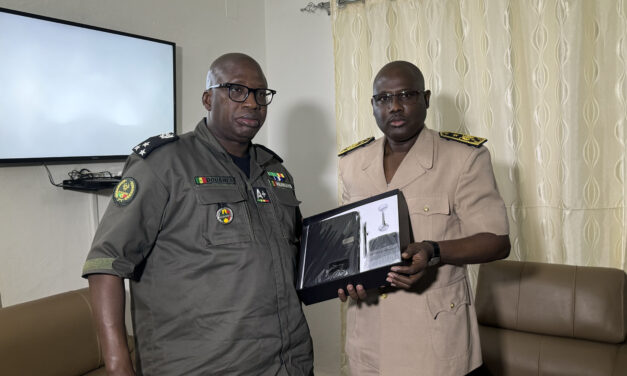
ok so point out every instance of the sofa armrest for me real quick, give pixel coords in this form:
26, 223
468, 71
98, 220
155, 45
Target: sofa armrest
50, 336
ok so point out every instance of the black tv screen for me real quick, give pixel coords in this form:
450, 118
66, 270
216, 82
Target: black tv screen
75, 92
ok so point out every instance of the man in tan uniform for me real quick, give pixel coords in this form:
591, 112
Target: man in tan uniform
424, 323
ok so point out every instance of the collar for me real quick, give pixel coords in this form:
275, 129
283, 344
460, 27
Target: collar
262, 155
418, 160
259, 156
205, 136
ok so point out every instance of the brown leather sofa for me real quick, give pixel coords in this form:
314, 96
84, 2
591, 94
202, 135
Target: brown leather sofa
50, 336
550, 319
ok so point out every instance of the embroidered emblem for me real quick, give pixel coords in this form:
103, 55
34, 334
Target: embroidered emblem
224, 215
355, 146
146, 147
218, 180
464, 138
276, 176
125, 191
281, 184
261, 195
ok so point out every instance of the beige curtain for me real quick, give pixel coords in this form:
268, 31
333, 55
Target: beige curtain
543, 80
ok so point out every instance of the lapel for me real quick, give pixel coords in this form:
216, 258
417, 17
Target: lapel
373, 167
259, 158
418, 160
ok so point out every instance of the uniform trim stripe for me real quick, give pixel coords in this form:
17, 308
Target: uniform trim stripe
98, 264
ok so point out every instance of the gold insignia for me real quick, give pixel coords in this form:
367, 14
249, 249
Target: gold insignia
355, 146
464, 138
125, 191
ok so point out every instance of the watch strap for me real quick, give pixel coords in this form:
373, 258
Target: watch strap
435, 257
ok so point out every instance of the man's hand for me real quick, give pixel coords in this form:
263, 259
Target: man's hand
354, 293
406, 277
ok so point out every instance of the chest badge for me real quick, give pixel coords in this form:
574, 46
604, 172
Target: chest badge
276, 176
216, 180
224, 215
261, 195
281, 184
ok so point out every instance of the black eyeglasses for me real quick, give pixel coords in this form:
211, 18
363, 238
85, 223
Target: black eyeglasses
404, 97
239, 93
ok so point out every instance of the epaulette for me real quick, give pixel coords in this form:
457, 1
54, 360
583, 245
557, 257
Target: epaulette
464, 138
354, 146
146, 147
270, 151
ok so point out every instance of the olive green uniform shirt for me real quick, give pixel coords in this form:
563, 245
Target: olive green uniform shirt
211, 256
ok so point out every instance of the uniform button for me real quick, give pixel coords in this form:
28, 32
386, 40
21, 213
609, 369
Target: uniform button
383, 296
452, 305
426, 209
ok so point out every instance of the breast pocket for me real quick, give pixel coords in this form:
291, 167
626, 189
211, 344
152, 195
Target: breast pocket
226, 214
429, 216
287, 208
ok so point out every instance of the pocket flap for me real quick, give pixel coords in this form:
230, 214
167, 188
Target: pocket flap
286, 197
448, 298
213, 195
428, 205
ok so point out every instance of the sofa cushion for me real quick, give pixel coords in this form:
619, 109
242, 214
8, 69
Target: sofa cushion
562, 300
508, 352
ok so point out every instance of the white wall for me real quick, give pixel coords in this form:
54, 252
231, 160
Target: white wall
301, 128
45, 231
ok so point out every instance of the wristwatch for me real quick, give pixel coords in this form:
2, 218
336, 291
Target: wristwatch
435, 257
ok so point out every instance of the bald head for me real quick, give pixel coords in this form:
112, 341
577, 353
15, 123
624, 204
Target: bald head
400, 103
228, 64
234, 122
401, 67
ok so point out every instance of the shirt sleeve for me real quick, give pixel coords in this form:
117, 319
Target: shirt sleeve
129, 228
477, 200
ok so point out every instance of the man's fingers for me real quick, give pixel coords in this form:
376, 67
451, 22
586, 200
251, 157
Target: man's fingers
341, 294
403, 281
356, 293
361, 292
410, 251
411, 269
352, 293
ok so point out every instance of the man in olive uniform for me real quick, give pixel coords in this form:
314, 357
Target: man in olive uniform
425, 322
205, 227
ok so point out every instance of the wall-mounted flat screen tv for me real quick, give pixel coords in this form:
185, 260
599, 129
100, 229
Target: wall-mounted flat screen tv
76, 92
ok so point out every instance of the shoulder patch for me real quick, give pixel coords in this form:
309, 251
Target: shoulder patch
270, 151
125, 191
146, 147
354, 146
464, 138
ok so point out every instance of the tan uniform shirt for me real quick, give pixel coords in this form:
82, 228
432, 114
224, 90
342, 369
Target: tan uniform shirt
451, 193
